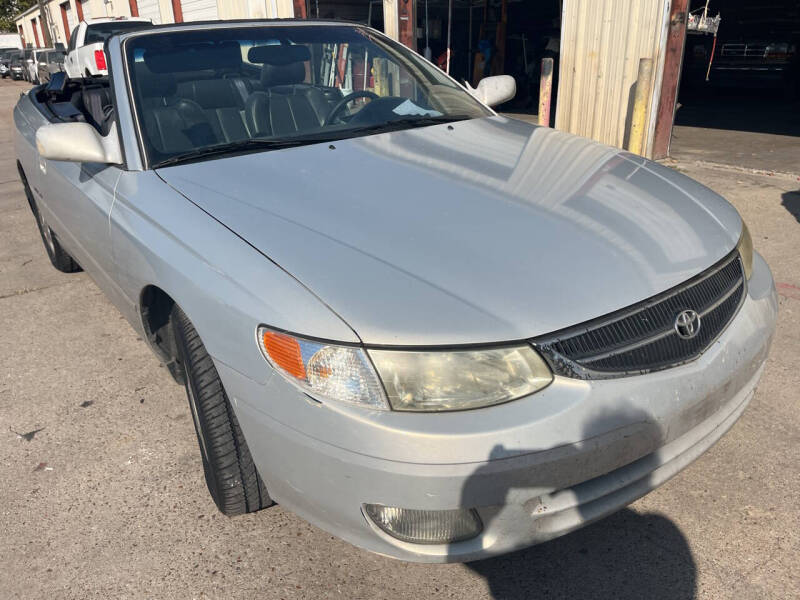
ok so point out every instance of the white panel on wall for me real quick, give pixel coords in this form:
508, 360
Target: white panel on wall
149, 9
199, 10
72, 18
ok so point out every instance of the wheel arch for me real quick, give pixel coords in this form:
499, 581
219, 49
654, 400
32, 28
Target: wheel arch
155, 311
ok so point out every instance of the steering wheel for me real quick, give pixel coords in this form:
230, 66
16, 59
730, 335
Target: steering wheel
339, 106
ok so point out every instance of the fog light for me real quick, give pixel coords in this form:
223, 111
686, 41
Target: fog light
426, 526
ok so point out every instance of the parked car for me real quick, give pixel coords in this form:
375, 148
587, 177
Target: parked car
436, 332
49, 63
35, 58
770, 62
5, 61
27, 62
85, 56
17, 65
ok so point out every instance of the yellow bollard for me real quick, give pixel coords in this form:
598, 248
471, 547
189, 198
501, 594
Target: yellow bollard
640, 100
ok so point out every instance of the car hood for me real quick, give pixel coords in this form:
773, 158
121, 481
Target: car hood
487, 230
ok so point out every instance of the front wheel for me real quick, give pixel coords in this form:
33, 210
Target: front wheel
231, 476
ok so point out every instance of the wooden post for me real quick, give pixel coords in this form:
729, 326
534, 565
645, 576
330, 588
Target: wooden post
406, 23
177, 11
545, 91
641, 97
300, 10
673, 61
44, 23
35, 33
65, 20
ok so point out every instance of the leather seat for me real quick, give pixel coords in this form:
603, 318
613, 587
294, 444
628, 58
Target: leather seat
285, 105
221, 103
98, 108
172, 124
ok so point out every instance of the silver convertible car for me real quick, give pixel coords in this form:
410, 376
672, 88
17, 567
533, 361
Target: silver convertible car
436, 332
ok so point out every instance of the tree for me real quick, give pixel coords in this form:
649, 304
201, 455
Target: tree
10, 9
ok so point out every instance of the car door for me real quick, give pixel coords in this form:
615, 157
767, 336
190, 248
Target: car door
79, 197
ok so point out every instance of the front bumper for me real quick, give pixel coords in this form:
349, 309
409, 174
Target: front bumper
534, 469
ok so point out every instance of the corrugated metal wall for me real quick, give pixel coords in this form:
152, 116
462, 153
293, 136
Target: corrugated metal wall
601, 44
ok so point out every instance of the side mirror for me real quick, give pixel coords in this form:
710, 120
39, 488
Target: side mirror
78, 142
494, 90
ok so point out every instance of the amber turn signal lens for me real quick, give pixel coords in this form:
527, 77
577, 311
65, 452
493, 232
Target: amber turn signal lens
284, 352
323, 370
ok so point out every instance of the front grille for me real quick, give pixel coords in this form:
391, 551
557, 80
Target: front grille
643, 337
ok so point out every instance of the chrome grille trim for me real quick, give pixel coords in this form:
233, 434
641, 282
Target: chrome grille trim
757, 49
641, 338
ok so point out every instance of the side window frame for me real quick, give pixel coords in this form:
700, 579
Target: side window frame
73, 37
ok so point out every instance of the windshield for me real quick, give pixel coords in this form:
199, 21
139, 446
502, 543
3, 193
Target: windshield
204, 91
100, 32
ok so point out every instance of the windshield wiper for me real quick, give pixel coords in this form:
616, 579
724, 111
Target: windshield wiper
339, 134
407, 123
239, 146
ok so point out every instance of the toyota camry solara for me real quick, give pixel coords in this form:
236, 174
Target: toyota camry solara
436, 332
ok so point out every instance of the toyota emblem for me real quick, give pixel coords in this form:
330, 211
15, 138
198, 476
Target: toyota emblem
687, 324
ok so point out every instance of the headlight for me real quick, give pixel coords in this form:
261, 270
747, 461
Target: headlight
458, 380
745, 248
322, 370
413, 380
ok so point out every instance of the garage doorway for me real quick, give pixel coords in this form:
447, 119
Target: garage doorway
739, 97
366, 12
493, 37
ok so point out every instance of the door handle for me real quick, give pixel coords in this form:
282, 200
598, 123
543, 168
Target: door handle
42, 165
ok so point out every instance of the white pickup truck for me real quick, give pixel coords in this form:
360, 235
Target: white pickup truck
85, 55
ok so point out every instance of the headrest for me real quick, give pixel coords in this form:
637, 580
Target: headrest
272, 75
194, 57
152, 85
216, 93
279, 55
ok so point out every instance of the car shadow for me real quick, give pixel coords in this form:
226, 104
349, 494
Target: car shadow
791, 202
626, 555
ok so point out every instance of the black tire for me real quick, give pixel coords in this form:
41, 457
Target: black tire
59, 257
231, 475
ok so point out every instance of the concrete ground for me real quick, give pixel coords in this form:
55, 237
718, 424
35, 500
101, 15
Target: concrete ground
107, 500
744, 127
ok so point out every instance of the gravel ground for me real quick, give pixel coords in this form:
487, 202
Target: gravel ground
107, 500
